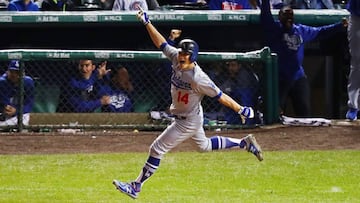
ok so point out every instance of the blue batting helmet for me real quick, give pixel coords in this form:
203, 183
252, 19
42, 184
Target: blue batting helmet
14, 65
189, 46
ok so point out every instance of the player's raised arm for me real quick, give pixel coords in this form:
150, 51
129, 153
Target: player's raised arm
155, 36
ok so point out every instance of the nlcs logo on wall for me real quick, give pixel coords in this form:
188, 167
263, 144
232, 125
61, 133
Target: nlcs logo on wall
90, 18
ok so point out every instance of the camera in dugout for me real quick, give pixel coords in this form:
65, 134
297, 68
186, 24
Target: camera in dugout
10, 95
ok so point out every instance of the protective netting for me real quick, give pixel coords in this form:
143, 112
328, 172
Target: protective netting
136, 91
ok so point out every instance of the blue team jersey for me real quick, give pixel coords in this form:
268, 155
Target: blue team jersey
289, 45
18, 5
9, 93
243, 89
353, 7
83, 94
120, 100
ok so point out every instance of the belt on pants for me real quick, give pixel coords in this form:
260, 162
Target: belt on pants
180, 117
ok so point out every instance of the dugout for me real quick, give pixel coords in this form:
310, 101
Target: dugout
326, 62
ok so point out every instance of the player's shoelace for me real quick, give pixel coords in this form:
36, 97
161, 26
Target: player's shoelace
253, 149
130, 191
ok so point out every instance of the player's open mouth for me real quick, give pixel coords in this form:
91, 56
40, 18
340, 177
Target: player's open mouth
182, 61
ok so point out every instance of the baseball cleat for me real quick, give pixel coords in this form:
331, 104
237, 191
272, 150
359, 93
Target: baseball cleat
127, 188
253, 147
351, 114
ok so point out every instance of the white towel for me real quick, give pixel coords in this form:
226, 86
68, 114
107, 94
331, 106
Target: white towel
305, 121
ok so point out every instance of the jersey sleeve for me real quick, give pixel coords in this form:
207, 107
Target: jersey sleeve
266, 17
206, 86
170, 52
310, 33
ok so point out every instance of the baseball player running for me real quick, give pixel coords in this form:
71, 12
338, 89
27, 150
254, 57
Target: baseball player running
189, 84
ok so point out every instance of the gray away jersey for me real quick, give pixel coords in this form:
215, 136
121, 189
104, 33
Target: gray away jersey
188, 87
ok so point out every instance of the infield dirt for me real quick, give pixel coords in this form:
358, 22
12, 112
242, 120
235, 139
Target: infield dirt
341, 135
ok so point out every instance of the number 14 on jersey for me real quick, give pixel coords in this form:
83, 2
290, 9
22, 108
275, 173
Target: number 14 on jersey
183, 97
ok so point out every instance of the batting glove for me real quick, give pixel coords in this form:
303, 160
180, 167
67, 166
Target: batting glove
142, 16
246, 112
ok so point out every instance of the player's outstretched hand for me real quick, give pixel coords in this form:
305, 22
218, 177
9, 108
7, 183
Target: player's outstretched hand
142, 16
105, 100
246, 112
102, 70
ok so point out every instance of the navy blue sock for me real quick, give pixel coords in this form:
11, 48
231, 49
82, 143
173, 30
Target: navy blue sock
149, 168
220, 142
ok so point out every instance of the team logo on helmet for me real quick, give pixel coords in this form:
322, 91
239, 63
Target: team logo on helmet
189, 46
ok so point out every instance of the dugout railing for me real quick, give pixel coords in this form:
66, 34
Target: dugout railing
48, 68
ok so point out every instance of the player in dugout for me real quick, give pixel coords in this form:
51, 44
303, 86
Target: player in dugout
10, 96
189, 84
119, 87
81, 94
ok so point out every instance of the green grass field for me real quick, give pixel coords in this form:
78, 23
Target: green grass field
230, 176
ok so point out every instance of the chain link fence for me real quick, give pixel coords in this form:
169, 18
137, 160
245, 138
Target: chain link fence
135, 93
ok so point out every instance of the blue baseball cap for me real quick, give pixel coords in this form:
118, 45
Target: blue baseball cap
14, 65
